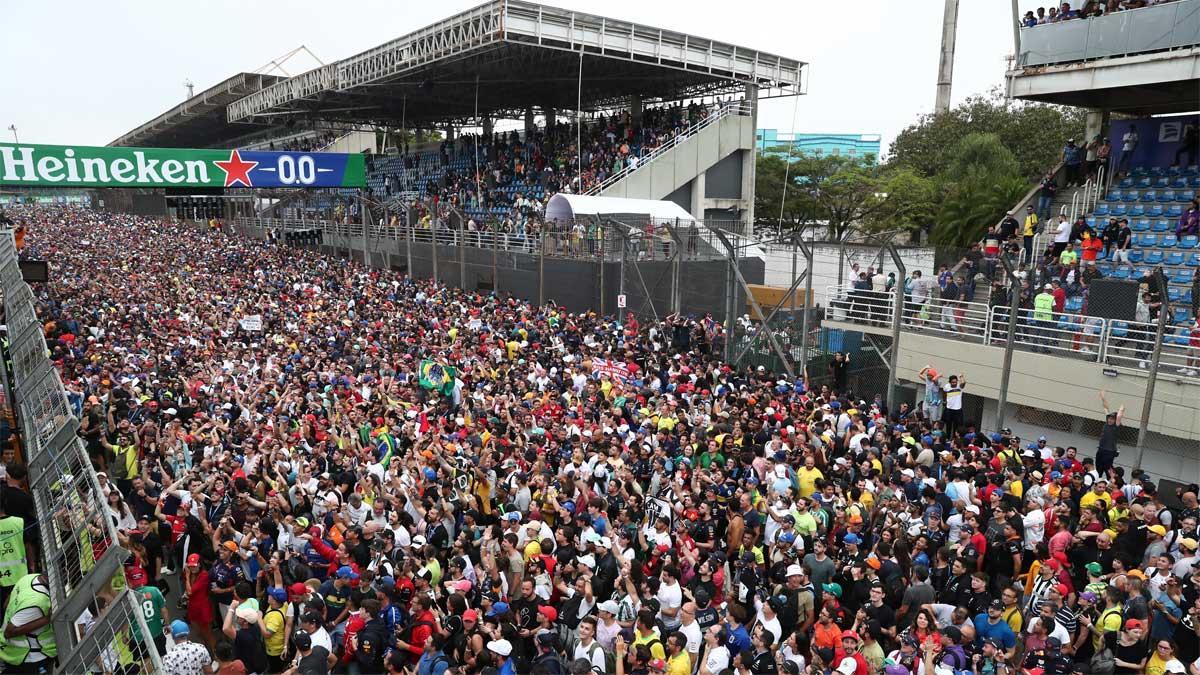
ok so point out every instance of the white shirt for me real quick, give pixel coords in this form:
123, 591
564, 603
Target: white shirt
597, 657
1129, 140
1063, 234
669, 597
952, 396
695, 638
1035, 528
717, 659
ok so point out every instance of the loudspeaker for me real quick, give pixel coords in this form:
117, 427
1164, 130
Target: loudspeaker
1113, 299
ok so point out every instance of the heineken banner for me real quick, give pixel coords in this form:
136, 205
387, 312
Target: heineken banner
83, 166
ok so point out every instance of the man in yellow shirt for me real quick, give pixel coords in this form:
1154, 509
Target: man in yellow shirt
807, 476
646, 633
1098, 493
680, 662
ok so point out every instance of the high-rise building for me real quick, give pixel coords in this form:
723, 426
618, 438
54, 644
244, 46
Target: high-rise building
774, 142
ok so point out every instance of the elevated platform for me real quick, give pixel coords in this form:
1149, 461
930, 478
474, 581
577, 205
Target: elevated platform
1136, 62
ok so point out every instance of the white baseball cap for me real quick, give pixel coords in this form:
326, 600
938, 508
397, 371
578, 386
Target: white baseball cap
504, 647
847, 666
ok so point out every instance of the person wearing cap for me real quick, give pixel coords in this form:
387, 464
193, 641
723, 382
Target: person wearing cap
1043, 316
310, 657
224, 574
850, 646
335, 593
199, 603
243, 625
501, 651
274, 626
992, 626
186, 657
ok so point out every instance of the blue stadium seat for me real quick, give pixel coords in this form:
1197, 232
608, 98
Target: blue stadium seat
1135, 256
1102, 209
1166, 196
1194, 260
1092, 221
1126, 182
1185, 195
1180, 315
1174, 258
1140, 225
1179, 182
1192, 170
1174, 211
1162, 182
1115, 195
1137, 211
1180, 276
1120, 273
1189, 241
1118, 210
1150, 196
1174, 294
1155, 211
1147, 240
1186, 298
1194, 181
1104, 268
1074, 305
1153, 258
1130, 196
1157, 171
1169, 241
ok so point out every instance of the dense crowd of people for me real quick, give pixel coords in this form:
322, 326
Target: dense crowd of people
380, 474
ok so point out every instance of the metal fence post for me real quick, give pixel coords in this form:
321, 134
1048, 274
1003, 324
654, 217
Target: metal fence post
1014, 304
603, 261
462, 253
1155, 360
897, 318
408, 242
433, 227
808, 284
542, 268
495, 265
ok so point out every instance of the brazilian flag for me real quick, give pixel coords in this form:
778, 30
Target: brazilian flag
437, 377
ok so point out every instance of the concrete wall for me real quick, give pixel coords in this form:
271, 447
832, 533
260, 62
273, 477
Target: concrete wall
574, 284
1064, 386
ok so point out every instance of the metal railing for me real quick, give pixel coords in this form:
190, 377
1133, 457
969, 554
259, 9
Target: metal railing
92, 611
1119, 344
1135, 31
722, 111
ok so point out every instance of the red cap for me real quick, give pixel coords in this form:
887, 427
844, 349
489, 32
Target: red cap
1062, 590
470, 615
549, 612
193, 560
1054, 564
850, 635
297, 589
1134, 623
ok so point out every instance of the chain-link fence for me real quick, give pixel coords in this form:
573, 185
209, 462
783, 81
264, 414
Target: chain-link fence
96, 622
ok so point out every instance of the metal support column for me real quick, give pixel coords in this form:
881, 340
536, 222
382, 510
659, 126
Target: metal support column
1155, 361
462, 252
1014, 303
433, 228
741, 281
366, 226
676, 296
541, 269
408, 242
495, 263
603, 262
808, 283
897, 318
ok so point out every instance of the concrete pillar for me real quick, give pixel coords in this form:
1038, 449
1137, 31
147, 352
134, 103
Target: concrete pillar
450, 133
697, 199
1095, 123
749, 156
530, 126
550, 113
635, 110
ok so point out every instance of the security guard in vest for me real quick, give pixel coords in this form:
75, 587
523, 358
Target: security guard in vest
27, 643
12, 552
1043, 316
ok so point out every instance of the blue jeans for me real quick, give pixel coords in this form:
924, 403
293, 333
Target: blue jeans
1043, 207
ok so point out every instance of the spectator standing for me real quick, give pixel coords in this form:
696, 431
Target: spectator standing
1072, 158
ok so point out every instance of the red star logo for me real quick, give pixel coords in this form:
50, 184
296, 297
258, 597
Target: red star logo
236, 170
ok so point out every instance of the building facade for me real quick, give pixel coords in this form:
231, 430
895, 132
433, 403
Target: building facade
774, 142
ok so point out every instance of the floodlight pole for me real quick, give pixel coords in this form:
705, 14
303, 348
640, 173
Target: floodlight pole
1155, 360
1014, 303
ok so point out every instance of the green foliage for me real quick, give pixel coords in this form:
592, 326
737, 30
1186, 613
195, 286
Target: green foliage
1034, 132
980, 183
839, 192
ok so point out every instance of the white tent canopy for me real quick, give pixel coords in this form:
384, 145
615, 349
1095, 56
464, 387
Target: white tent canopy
568, 207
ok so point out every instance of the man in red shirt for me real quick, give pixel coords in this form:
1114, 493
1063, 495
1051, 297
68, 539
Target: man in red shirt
421, 627
1060, 296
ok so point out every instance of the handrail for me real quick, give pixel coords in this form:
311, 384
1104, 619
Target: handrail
723, 111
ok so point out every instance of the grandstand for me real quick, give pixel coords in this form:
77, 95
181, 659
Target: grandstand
635, 96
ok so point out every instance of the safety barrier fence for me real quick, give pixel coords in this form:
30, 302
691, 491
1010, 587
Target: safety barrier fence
659, 241
1150, 29
1117, 344
98, 622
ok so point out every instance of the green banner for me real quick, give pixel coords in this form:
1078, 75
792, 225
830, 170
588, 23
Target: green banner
85, 166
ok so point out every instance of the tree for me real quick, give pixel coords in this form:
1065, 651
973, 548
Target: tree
769, 175
912, 205
980, 182
1033, 132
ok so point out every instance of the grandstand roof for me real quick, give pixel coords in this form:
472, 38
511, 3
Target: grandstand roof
518, 54
199, 121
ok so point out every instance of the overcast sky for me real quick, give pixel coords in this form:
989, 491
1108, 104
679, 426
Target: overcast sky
87, 72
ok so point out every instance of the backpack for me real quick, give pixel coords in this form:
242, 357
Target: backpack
610, 658
552, 663
1102, 663
372, 641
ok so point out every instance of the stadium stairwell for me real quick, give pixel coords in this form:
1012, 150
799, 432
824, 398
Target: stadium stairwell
696, 169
